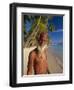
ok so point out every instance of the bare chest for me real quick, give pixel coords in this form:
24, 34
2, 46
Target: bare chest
41, 58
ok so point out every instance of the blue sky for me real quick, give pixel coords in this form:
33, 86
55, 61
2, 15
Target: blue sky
28, 25
57, 35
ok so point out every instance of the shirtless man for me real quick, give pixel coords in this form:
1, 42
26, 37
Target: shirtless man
38, 57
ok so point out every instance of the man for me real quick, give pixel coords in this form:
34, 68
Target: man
38, 57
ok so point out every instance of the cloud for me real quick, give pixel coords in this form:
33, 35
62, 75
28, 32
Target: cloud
60, 30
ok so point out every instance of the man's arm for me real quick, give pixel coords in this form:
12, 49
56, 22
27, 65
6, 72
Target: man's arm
30, 64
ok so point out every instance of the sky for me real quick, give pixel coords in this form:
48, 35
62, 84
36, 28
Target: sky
28, 25
57, 35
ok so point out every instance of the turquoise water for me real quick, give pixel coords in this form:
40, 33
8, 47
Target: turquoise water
57, 50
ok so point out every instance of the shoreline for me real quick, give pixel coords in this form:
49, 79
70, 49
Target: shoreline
56, 52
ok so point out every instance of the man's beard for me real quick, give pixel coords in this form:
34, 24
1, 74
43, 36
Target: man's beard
41, 48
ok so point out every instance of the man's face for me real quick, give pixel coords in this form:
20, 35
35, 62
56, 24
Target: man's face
43, 39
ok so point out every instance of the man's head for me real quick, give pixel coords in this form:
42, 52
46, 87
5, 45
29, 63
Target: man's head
43, 38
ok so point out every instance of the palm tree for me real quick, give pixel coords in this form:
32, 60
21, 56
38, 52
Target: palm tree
39, 24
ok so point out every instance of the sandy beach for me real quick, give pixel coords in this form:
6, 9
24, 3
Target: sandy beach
55, 63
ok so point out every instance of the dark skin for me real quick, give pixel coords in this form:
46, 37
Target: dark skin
38, 61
